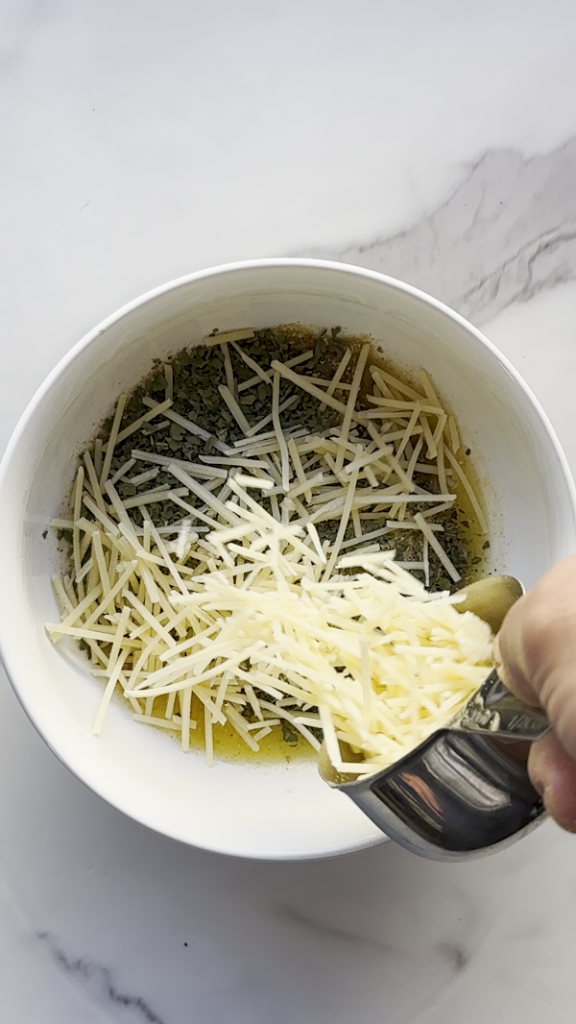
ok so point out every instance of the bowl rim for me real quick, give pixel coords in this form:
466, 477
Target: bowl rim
9, 648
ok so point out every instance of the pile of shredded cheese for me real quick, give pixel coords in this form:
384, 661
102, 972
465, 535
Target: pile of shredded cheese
251, 612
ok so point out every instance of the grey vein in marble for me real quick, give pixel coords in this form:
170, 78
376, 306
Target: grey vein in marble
330, 931
504, 234
97, 983
455, 954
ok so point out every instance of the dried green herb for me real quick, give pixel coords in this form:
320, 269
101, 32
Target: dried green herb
85, 648
197, 373
289, 734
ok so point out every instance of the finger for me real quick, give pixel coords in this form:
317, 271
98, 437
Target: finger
538, 632
536, 649
510, 664
553, 774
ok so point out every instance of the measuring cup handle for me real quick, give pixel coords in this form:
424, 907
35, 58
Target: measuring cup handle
495, 710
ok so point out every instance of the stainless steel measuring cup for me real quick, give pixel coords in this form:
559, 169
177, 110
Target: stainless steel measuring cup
465, 791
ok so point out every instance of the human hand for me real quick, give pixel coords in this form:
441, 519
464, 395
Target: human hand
535, 653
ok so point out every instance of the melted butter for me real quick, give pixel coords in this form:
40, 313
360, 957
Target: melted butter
227, 744
273, 748
473, 538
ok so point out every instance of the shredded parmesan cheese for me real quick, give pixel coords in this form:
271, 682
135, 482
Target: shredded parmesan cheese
261, 618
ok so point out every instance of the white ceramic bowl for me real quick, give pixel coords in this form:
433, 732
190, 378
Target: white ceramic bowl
252, 811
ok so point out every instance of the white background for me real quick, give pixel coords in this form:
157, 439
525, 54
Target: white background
140, 141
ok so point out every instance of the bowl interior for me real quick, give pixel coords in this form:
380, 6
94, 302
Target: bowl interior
249, 810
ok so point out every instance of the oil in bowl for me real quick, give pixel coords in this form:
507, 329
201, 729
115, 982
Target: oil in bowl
328, 436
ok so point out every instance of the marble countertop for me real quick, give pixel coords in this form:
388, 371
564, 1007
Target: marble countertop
436, 142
